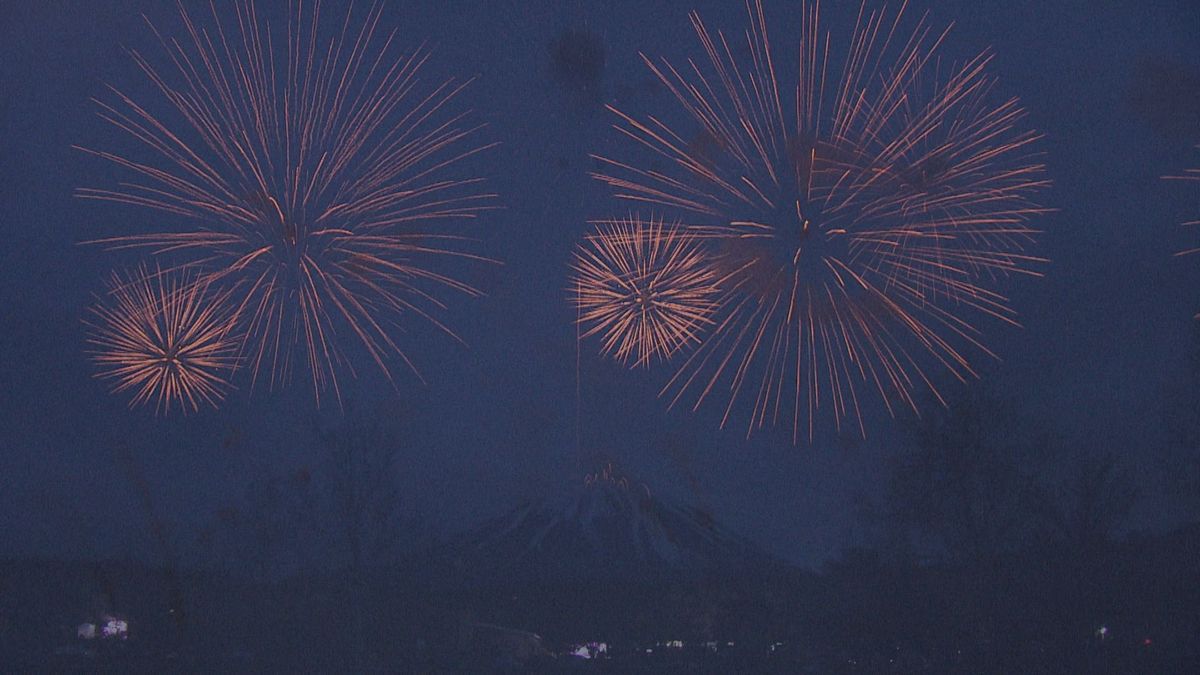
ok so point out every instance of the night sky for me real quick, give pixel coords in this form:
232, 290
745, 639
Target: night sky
1112, 85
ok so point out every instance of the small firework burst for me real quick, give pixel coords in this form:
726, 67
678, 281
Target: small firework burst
647, 288
163, 337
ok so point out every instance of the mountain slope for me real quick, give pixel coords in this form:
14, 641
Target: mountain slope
606, 528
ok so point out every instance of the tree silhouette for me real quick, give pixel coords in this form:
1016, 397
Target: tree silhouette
365, 503
1180, 458
957, 492
1084, 510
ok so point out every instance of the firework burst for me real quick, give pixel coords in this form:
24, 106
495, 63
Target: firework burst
647, 288
163, 337
858, 221
307, 169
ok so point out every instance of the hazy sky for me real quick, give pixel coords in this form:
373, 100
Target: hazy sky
1104, 331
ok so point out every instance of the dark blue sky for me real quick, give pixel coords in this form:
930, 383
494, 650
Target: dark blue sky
1104, 331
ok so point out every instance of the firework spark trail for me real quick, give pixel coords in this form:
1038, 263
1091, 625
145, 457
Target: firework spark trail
855, 241
647, 288
1188, 175
165, 338
310, 167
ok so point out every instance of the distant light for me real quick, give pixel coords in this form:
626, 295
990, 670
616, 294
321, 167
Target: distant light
582, 651
589, 650
1102, 632
1146, 642
115, 628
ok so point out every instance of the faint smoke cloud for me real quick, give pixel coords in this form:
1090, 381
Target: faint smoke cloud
1166, 94
578, 59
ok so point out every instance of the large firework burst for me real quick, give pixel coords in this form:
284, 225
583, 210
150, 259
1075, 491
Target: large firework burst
307, 170
858, 220
164, 337
647, 288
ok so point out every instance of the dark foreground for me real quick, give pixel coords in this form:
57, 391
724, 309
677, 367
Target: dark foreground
1132, 608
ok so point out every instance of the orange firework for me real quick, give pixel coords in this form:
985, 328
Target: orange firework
307, 169
858, 221
164, 337
648, 289
1191, 175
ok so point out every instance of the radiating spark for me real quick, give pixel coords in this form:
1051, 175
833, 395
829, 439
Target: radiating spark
164, 338
646, 288
1188, 175
859, 221
308, 170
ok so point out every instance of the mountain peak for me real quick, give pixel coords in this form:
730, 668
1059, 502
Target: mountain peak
609, 476
610, 526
